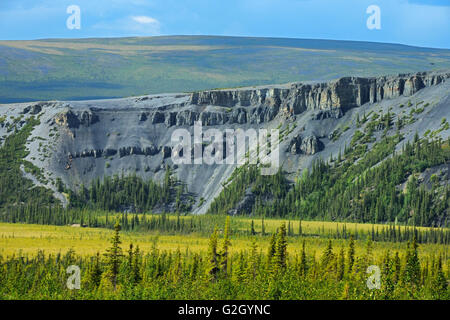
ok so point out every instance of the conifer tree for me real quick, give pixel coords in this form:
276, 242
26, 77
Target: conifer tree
226, 245
280, 249
341, 265
388, 282
213, 256
440, 282
412, 267
194, 267
136, 266
271, 250
351, 254
327, 257
396, 268
252, 267
95, 272
113, 256
303, 262
240, 268
252, 230
300, 231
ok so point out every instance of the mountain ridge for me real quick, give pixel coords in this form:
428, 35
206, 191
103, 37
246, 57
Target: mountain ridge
80, 141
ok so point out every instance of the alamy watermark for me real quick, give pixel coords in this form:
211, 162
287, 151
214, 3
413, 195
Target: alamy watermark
228, 146
74, 280
374, 280
74, 20
374, 20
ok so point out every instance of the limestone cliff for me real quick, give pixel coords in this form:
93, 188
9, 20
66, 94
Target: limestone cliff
82, 140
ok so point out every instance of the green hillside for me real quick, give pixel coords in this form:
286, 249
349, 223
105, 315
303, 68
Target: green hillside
118, 67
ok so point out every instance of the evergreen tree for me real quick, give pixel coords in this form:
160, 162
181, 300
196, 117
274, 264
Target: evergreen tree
252, 268
271, 250
213, 256
341, 265
412, 267
303, 262
440, 282
327, 257
351, 254
113, 256
94, 275
280, 249
226, 245
136, 266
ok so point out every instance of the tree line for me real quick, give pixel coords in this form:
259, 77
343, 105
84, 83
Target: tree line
336, 273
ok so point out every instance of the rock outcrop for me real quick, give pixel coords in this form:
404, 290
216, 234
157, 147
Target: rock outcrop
73, 119
308, 145
347, 92
79, 141
255, 106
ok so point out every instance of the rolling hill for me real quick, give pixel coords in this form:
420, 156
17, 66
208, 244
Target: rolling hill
80, 69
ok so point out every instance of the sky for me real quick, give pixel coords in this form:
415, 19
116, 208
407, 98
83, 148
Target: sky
423, 23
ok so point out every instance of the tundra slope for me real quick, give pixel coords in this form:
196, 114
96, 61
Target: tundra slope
79, 141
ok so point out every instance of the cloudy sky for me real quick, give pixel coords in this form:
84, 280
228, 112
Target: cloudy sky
413, 22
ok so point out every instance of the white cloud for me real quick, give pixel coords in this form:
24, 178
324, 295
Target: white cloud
145, 20
129, 26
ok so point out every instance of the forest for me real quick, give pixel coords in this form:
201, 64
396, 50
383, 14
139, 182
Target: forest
123, 271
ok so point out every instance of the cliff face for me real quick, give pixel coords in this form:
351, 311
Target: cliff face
79, 141
254, 106
344, 93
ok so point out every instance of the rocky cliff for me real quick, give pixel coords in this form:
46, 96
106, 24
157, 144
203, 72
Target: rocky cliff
79, 141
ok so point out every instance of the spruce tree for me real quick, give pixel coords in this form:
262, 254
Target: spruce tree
226, 245
351, 254
341, 265
327, 257
113, 256
271, 250
252, 229
440, 284
213, 256
303, 262
280, 255
253, 265
412, 268
95, 272
136, 266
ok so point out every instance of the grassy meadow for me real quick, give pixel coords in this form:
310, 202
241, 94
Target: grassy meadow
230, 263
28, 239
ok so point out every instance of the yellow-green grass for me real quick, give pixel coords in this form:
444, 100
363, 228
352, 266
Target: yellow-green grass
27, 239
271, 224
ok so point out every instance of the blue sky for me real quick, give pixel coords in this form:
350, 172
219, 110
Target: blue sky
414, 22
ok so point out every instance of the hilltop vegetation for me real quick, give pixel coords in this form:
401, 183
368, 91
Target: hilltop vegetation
365, 190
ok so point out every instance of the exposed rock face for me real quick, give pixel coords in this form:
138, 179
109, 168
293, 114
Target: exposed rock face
309, 145
245, 205
90, 139
255, 106
67, 119
147, 151
34, 109
326, 114
167, 152
347, 92
73, 119
294, 145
